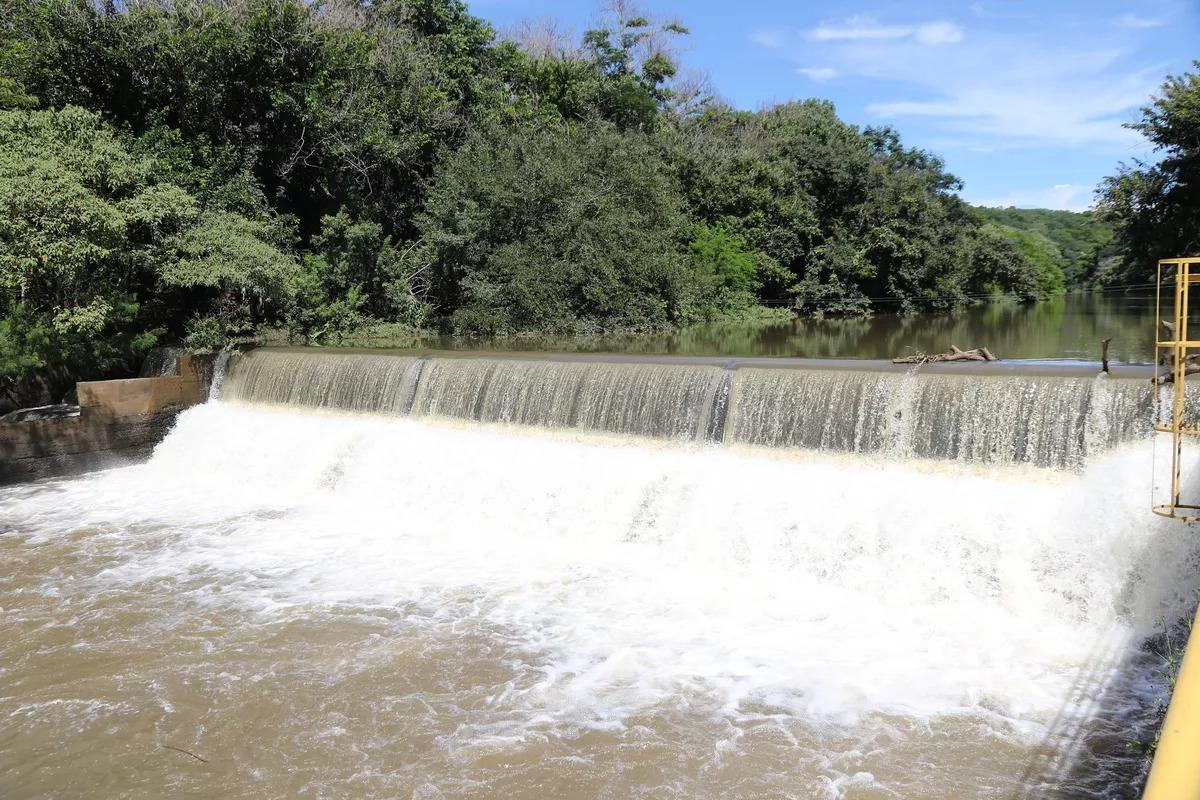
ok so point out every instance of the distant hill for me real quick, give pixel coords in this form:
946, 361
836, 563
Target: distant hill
1077, 243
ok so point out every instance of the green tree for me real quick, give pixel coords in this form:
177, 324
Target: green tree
330, 104
98, 257
342, 165
236, 278
566, 230
357, 275
12, 95
1042, 254
996, 267
842, 219
1082, 239
1156, 207
621, 71
724, 274
70, 276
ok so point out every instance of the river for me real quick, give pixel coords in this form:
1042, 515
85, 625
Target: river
1064, 328
378, 575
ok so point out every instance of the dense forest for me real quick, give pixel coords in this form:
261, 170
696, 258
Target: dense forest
201, 171
1077, 244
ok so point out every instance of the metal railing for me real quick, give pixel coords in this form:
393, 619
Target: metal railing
1175, 773
1180, 356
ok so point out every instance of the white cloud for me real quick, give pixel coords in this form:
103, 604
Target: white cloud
1019, 84
1067, 196
770, 37
1010, 87
867, 29
818, 74
1066, 99
941, 145
1134, 21
938, 33
1017, 90
994, 11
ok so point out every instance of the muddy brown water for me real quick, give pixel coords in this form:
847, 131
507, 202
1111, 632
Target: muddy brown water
291, 600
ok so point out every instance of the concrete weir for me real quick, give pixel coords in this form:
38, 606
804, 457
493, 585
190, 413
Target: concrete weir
1045, 414
1050, 414
115, 422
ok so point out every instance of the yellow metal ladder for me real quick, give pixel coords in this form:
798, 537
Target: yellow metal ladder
1175, 773
1174, 352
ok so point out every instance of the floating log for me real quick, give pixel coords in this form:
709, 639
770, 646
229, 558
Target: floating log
1191, 365
954, 354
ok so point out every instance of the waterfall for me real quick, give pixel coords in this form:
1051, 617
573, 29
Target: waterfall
641, 399
1045, 421
1042, 420
160, 361
219, 367
342, 381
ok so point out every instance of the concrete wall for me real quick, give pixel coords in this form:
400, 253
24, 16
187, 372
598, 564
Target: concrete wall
118, 422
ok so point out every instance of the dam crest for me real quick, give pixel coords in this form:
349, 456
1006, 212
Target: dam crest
1044, 420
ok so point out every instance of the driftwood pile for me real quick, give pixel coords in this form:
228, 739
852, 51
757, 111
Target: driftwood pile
978, 354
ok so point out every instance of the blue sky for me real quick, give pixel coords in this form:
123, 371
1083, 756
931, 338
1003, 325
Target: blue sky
1024, 100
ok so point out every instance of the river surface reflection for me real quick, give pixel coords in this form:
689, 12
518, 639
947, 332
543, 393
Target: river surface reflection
1069, 327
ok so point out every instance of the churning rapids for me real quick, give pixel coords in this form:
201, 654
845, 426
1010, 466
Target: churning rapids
371, 576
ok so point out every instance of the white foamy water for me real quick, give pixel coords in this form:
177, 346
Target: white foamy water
328, 605
1045, 421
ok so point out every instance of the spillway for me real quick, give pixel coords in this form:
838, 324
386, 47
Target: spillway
640, 399
382, 384
1046, 421
424, 575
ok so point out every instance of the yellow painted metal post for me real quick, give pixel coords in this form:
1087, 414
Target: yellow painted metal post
1175, 774
1178, 347
1182, 285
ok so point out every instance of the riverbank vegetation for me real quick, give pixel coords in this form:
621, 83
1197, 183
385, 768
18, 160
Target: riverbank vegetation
1074, 249
1155, 208
202, 171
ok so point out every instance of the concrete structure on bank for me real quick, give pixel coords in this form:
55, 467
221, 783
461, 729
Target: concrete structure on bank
117, 422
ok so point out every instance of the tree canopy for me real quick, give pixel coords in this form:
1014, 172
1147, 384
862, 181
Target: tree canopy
99, 252
1072, 248
219, 168
1155, 208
